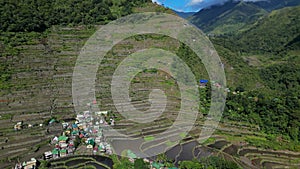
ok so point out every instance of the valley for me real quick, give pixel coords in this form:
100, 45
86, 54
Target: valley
260, 55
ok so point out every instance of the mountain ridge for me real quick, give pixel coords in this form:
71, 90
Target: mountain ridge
227, 18
235, 15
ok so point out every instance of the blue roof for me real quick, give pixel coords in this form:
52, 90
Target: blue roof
203, 81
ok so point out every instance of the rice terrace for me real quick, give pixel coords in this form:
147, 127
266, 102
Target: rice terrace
40, 44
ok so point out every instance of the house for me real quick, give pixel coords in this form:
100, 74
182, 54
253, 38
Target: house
30, 164
62, 139
63, 145
67, 132
112, 121
55, 153
75, 126
63, 153
203, 82
95, 131
52, 121
98, 140
156, 165
80, 118
90, 141
95, 150
100, 113
18, 126
86, 114
70, 150
18, 166
75, 132
101, 148
57, 146
65, 125
48, 155
82, 126
54, 140
81, 135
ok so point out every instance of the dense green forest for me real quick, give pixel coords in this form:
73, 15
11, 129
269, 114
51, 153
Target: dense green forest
38, 15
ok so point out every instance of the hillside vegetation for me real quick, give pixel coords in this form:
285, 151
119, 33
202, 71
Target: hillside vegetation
270, 5
227, 18
38, 15
272, 34
269, 53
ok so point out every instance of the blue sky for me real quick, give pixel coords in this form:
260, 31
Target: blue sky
190, 5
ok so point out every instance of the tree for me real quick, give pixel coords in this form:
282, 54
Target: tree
191, 165
140, 164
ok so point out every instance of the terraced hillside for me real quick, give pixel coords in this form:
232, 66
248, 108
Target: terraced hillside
42, 81
40, 88
45, 91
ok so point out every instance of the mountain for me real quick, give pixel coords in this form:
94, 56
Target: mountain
227, 18
267, 57
274, 33
184, 14
270, 5
236, 15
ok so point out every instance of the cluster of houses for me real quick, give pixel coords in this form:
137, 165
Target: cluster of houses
86, 129
63, 146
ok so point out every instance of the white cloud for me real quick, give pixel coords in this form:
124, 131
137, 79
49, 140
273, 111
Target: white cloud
156, 1
194, 2
198, 4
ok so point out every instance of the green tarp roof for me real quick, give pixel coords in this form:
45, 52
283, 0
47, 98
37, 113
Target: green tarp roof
52, 121
157, 165
62, 138
63, 151
75, 131
55, 151
91, 141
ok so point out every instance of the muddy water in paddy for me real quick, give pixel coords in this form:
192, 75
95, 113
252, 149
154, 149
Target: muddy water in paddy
218, 144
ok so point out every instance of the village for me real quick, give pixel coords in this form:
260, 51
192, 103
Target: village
82, 137
85, 135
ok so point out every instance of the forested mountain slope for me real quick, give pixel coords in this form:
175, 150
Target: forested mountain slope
227, 18
38, 15
270, 49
